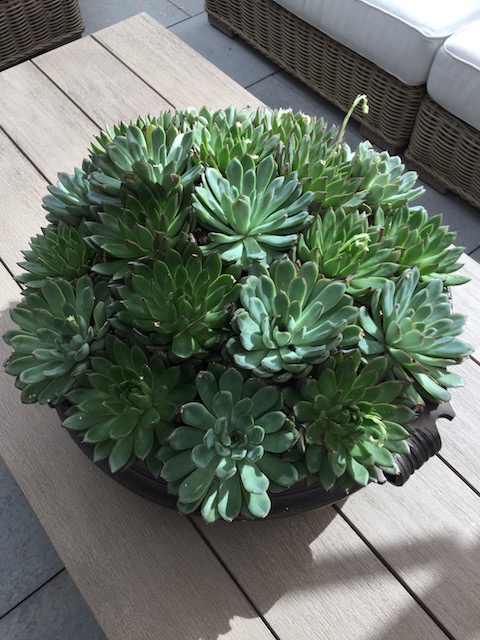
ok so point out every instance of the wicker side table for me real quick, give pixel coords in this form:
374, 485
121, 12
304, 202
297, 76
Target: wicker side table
29, 27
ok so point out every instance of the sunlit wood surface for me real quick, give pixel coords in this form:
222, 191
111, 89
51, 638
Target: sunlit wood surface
394, 563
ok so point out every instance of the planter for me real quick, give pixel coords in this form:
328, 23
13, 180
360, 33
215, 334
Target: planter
424, 443
213, 300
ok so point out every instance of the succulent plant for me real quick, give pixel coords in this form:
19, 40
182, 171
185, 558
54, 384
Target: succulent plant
61, 326
254, 214
224, 456
58, 252
222, 136
358, 180
352, 422
238, 301
136, 227
383, 179
68, 200
413, 323
127, 404
290, 320
423, 242
153, 153
182, 303
345, 247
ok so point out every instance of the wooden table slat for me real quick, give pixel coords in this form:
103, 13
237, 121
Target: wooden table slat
99, 83
180, 74
22, 191
460, 440
42, 121
313, 577
429, 532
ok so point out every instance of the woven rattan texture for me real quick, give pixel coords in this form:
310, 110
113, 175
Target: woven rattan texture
446, 149
28, 27
334, 71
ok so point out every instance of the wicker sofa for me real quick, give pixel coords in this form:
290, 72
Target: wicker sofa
445, 143
336, 72
302, 37
29, 27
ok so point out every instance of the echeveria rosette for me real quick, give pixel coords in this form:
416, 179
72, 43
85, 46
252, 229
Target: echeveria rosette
361, 180
221, 136
137, 227
413, 324
347, 248
306, 143
163, 155
59, 252
61, 327
290, 320
68, 201
423, 242
383, 179
353, 424
254, 214
128, 404
182, 303
227, 453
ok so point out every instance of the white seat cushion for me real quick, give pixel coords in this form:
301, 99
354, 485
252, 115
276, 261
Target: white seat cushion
454, 80
400, 36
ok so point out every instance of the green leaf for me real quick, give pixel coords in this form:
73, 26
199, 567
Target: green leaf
230, 498
179, 466
259, 504
102, 450
196, 485
358, 472
264, 400
196, 415
283, 473
252, 478
186, 438
143, 442
121, 453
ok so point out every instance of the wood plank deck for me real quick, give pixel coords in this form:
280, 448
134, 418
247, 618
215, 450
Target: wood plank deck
401, 563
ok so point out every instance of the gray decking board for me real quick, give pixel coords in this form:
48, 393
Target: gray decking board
27, 558
98, 15
56, 612
232, 55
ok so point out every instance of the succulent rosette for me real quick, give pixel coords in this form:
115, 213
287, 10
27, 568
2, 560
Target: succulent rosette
127, 404
254, 214
238, 302
414, 325
225, 455
182, 302
353, 422
290, 320
61, 327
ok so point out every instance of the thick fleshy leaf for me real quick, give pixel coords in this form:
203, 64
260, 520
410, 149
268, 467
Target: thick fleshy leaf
196, 485
121, 453
252, 478
196, 415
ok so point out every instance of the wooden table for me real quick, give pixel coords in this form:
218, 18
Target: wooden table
394, 563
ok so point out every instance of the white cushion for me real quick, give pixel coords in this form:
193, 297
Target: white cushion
454, 80
400, 36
